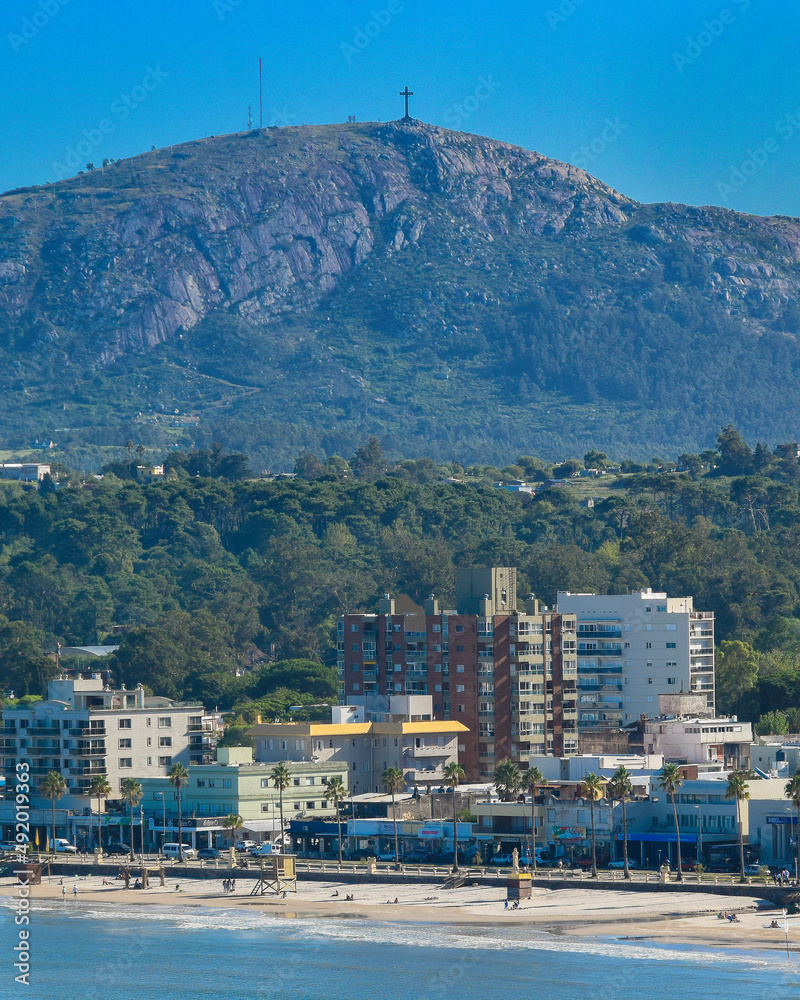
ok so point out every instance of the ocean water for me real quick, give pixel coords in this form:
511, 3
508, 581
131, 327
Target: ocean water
87, 951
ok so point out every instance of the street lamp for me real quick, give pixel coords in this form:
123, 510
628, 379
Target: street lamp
160, 795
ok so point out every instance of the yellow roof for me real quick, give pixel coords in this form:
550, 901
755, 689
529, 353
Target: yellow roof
436, 726
310, 729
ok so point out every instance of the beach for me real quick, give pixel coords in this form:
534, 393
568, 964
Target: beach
673, 918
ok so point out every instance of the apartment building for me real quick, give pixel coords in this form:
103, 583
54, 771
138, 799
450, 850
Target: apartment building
421, 750
84, 728
631, 648
236, 784
508, 675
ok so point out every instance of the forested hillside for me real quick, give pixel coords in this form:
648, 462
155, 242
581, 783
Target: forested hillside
208, 575
458, 297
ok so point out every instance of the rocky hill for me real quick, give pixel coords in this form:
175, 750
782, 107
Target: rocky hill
457, 296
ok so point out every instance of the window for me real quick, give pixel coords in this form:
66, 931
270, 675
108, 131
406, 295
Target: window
366, 765
165, 722
226, 782
437, 628
672, 663
354, 648
164, 761
323, 804
296, 781
265, 807
201, 782
672, 645
265, 782
398, 628
661, 607
309, 805
648, 608
165, 741
126, 762
149, 761
149, 741
671, 628
649, 680
309, 781
649, 645
124, 723
648, 628
354, 628
670, 680
462, 708
459, 649
355, 686
125, 744
648, 663
459, 668
149, 721
437, 688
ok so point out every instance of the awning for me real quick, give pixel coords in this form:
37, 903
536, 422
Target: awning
262, 825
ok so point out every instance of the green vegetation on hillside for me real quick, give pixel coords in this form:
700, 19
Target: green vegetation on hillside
210, 579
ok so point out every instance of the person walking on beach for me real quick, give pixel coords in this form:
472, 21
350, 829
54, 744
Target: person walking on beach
75, 891
63, 891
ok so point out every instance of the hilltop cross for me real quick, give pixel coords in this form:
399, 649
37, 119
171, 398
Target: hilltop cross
406, 93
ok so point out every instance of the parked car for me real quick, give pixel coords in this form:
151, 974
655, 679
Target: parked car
11, 846
502, 859
246, 845
753, 869
585, 863
418, 858
116, 847
62, 846
620, 863
387, 856
174, 851
208, 854
263, 850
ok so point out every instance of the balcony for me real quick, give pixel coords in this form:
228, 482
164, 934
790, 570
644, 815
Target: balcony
87, 732
370, 675
88, 752
195, 728
600, 651
434, 774
45, 751
612, 633
436, 751
86, 771
9, 731
52, 731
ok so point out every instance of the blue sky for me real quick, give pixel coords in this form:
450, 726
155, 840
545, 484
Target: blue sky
666, 100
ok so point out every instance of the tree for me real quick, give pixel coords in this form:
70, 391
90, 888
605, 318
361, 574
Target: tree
99, 788
620, 787
736, 458
507, 780
736, 671
531, 780
178, 777
394, 782
282, 779
233, 823
308, 466
453, 774
368, 461
53, 787
737, 788
792, 793
337, 793
669, 781
132, 793
592, 790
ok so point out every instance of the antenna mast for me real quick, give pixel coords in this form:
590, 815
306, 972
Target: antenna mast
260, 103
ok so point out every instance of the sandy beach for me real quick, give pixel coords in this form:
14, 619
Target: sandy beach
674, 918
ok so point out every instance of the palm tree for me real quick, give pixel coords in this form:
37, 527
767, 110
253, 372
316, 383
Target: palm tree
453, 774
53, 787
507, 780
531, 780
737, 788
393, 781
233, 823
337, 793
620, 787
792, 792
593, 790
132, 793
669, 781
178, 777
99, 788
282, 779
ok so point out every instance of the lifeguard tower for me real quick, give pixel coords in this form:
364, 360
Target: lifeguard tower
278, 875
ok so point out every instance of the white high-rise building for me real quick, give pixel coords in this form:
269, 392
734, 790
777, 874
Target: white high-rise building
634, 647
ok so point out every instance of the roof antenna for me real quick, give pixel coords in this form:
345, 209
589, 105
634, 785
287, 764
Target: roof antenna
260, 102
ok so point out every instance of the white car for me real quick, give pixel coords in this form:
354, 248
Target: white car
246, 845
11, 846
174, 851
620, 863
61, 846
263, 850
